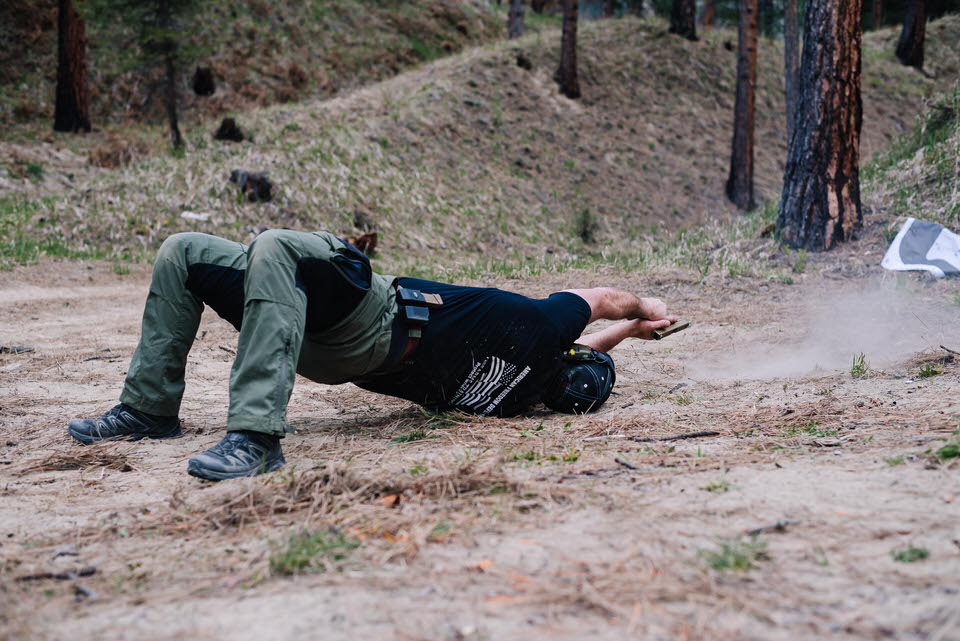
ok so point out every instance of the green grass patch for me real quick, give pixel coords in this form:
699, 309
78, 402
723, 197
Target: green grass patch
26, 234
736, 555
717, 486
811, 429
859, 367
895, 461
933, 128
441, 532
929, 370
417, 435
949, 451
910, 554
304, 552
418, 469
34, 171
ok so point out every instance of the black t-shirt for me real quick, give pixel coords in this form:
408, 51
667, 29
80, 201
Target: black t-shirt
486, 351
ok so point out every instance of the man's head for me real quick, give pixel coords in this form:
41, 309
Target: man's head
583, 383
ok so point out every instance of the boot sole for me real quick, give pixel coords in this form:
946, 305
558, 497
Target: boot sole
86, 439
194, 469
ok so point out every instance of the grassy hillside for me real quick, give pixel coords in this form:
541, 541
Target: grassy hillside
920, 175
473, 159
261, 53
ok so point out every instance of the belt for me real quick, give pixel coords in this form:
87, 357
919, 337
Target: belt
413, 314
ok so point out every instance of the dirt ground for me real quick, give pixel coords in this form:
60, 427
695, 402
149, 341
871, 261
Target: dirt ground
541, 527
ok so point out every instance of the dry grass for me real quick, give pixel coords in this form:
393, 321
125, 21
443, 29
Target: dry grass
329, 493
400, 152
109, 456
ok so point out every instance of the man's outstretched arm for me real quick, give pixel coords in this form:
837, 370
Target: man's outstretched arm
640, 316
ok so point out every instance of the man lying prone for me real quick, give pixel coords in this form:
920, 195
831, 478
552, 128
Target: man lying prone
310, 304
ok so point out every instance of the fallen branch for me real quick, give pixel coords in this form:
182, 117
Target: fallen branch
629, 466
952, 351
651, 439
59, 576
15, 349
779, 526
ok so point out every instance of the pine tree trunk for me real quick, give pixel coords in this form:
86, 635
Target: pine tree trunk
609, 7
708, 15
515, 19
683, 19
171, 101
72, 110
877, 14
567, 73
168, 47
910, 45
765, 17
820, 205
791, 60
740, 180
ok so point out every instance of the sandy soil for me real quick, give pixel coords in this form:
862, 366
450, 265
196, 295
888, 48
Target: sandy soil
545, 527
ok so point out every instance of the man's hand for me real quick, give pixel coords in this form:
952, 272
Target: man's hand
644, 315
644, 328
607, 303
652, 309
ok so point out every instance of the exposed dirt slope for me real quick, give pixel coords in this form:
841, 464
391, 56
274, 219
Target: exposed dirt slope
261, 53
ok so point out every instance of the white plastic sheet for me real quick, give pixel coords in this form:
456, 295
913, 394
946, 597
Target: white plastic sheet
923, 246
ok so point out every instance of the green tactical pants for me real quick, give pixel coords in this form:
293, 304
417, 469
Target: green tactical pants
268, 291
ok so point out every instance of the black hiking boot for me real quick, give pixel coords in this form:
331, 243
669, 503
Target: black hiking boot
124, 422
239, 454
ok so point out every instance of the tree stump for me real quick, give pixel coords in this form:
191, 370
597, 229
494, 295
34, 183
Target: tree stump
203, 83
229, 130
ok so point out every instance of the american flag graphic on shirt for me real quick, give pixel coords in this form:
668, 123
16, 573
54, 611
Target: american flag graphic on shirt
487, 385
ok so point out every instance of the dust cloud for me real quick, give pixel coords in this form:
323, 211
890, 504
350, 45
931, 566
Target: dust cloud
884, 322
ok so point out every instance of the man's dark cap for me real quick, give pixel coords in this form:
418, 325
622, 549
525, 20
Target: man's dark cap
583, 383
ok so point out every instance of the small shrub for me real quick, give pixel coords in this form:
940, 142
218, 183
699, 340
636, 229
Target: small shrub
587, 226
800, 264
859, 368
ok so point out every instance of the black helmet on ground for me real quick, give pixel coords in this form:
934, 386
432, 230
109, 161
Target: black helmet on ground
583, 383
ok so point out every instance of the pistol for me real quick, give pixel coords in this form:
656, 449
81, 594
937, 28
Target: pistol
679, 326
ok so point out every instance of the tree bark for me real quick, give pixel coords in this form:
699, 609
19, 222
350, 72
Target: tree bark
910, 45
168, 46
740, 180
877, 14
683, 19
515, 19
820, 205
171, 101
765, 17
72, 109
609, 7
791, 60
567, 73
708, 15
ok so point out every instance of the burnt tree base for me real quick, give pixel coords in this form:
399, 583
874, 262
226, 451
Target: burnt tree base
820, 205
